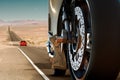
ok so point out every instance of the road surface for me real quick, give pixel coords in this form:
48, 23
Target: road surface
40, 58
14, 66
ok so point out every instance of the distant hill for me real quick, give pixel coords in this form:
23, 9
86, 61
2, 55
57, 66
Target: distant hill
23, 22
1, 21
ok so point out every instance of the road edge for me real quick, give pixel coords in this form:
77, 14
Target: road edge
36, 68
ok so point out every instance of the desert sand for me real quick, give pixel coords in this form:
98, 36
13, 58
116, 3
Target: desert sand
34, 34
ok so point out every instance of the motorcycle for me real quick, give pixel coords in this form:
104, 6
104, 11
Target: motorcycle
84, 37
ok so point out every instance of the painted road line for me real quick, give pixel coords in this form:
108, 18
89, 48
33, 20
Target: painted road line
38, 70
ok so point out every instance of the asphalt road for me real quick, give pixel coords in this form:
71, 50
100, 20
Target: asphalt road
40, 58
13, 36
14, 66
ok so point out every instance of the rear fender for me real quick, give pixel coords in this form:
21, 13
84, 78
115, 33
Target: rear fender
54, 9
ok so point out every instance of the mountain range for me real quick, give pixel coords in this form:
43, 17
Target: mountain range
23, 22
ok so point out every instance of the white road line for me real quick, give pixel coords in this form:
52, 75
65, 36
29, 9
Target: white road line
38, 70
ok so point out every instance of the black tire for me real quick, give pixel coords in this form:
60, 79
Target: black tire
104, 61
59, 72
103, 58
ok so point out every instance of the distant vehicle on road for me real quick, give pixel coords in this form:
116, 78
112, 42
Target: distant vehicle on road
84, 37
23, 43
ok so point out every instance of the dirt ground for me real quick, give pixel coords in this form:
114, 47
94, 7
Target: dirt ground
35, 35
3, 37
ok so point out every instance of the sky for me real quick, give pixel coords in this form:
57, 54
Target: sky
11, 10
